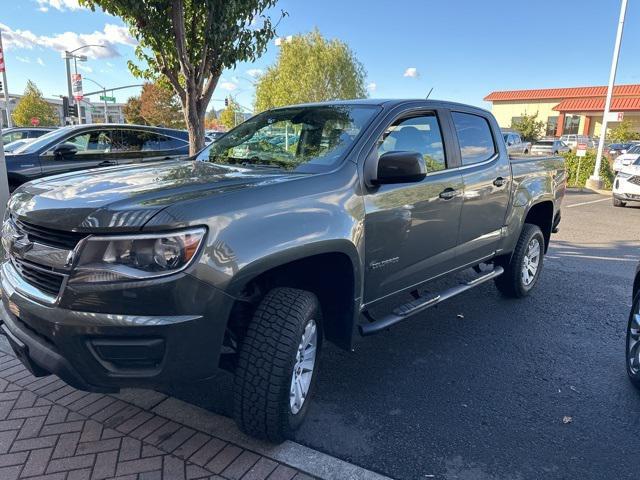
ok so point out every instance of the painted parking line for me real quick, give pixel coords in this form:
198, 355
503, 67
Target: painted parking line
588, 203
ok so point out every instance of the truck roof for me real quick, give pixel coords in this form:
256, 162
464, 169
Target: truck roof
389, 103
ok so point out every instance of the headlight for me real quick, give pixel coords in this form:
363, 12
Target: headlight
135, 257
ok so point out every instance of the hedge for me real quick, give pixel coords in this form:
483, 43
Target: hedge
587, 164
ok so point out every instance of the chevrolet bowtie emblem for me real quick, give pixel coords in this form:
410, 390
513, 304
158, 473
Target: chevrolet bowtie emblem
21, 245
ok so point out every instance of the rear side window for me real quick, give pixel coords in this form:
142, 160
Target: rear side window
475, 138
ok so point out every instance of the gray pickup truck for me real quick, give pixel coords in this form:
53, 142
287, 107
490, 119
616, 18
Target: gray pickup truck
332, 228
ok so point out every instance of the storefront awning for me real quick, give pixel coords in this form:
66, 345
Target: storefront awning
624, 104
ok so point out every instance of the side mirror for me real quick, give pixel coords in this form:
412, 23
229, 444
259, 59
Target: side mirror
65, 150
400, 167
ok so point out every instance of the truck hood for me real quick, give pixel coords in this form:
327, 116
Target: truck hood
125, 198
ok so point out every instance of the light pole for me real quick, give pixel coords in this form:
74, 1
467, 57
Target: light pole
5, 86
595, 181
104, 98
68, 55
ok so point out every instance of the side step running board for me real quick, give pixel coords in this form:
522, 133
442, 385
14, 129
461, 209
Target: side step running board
403, 312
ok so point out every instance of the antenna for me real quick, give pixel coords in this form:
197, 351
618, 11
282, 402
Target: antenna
429, 94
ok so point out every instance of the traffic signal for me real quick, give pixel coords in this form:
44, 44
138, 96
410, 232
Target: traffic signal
69, 110
65, 106
226, 102
1, 87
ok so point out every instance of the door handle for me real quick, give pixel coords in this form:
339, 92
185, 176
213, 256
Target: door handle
107, 163
448, 194
500, 182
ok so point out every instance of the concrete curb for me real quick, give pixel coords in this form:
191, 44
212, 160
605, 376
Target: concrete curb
293, 454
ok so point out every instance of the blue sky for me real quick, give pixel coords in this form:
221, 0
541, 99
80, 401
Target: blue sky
464, 49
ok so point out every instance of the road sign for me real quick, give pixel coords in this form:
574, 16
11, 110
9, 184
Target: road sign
581, 150
35, 121
76, 83
615, 117
107, 99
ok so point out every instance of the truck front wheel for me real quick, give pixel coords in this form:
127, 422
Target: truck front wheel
277, 364
522, 271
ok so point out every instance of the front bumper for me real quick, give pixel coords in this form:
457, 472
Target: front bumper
92, 349
625, 190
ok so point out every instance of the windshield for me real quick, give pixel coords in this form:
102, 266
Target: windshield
544, 143
304, 139
44, 140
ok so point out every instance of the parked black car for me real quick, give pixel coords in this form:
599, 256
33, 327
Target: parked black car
12, 134
633, 334
81, 147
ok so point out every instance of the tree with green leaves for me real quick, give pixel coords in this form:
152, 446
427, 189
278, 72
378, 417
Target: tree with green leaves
33, 105
529, 127
623, 132
311, 68
229, 116
191, 42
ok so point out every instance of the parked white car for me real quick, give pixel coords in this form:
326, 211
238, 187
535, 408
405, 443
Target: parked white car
572, 141
626, 159
626, 186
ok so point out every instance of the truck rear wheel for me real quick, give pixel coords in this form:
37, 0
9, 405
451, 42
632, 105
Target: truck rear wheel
522, 271
277, 364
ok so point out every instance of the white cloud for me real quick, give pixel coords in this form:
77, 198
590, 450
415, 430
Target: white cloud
44, 5
411, 72
40, 61
109, 38
23, 59
109, 64
372, 87
255, 72
85, 68
229, 86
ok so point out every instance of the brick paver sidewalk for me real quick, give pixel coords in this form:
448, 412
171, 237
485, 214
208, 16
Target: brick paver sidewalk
51, 431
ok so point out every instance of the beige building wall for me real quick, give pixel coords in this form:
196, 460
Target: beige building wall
505, 111
596, 123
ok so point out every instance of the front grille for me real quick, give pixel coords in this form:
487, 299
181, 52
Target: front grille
47, 281
50, 236
635, 180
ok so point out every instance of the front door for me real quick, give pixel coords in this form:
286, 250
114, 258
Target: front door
411, 229
92, 149
486, 173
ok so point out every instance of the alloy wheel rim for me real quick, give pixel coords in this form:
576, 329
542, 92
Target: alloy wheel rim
531, 262
303, 367
633, 342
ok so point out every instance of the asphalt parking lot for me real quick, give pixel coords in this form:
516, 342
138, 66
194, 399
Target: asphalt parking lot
478, 388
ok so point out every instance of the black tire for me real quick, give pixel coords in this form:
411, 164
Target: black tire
526, 152
618, 203
266, 361
632, 372
511, 282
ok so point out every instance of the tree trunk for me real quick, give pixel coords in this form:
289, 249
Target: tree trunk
194, 114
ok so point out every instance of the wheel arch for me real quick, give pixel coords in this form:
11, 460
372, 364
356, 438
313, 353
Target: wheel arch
636, 283
542, 214
330, 270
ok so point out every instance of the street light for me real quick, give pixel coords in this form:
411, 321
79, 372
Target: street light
68, 55
104, 97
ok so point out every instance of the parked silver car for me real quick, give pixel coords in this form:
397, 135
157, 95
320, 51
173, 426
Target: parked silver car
549, 147
515, 144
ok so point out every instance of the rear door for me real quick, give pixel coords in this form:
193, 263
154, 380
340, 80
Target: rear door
411, 228
486, 175
157, 146
93, 149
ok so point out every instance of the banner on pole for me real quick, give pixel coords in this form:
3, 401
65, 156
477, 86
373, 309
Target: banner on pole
76, 86
1, 61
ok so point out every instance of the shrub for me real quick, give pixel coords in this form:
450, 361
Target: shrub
587, 164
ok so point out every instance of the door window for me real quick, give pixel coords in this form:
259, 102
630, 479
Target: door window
416, 134
96, 141
475, 138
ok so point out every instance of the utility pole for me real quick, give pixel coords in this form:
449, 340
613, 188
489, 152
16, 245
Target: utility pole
67, 57
4, 181
595, 181
6, 90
